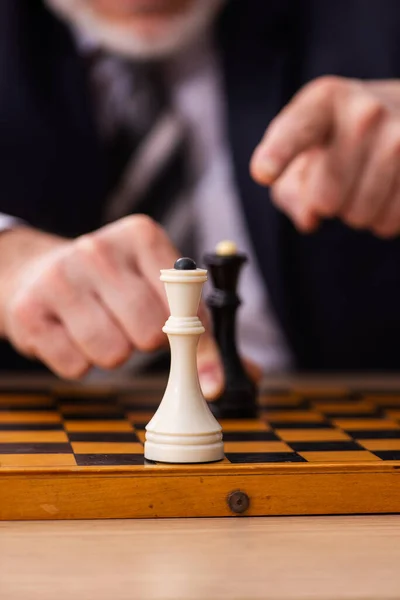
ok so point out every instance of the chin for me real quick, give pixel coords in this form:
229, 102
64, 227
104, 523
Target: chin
143, 37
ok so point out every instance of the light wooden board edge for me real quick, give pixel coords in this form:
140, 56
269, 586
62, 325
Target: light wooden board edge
184, 470
119, 495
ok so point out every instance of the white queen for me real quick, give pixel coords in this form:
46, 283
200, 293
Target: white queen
183, 430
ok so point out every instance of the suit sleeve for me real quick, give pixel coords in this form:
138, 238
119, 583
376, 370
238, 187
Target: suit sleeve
8, 222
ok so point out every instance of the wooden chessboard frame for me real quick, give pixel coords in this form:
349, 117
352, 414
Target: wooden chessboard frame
328, 483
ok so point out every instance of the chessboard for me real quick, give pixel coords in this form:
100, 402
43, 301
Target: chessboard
72, 452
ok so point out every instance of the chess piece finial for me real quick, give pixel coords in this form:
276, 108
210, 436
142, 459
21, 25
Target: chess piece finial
226, 248
185, 264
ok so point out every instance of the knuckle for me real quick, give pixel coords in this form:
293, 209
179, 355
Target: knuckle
394, 150
88, 247
104, 348
89, 337
24, 324
309, 128
280, 194
355, 219
73, 368
22, 311
326, 209
55, 272
368, 114
94, 252
99, 244
114, 356
304, 219
113, 359
146, 230
67, 362
386, 230
58, 285
150, 341
327, 204
326, 86
55, 278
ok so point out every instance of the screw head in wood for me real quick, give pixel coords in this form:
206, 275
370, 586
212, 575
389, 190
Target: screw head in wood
238, 501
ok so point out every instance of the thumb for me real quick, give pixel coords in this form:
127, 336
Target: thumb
209, 362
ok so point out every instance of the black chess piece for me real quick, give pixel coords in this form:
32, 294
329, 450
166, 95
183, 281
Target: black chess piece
239, 398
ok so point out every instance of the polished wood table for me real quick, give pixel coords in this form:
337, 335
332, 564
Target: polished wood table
322, 558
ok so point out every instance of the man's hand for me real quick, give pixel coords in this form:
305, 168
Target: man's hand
93, 300
334, 151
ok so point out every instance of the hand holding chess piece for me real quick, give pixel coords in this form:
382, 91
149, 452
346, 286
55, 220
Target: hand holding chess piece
183, 430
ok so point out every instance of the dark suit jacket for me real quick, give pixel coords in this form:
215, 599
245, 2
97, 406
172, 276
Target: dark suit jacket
336, 293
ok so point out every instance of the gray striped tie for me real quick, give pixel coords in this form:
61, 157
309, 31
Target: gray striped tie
146, 145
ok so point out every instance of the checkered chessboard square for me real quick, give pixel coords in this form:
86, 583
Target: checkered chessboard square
70, 428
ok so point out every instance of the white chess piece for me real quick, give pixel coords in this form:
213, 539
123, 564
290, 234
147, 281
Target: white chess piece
183, 430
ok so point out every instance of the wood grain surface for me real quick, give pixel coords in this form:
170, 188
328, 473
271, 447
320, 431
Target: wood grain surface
324, 558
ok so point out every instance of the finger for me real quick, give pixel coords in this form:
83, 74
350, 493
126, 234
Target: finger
138, 311
334, 170
327, 184
151, 251
357, 131
305, 122
94, 331
323, 188
370, 200
289, 193
133, 304
55, 348
104, 270
387, 223
37, 333
209, 364
327, 109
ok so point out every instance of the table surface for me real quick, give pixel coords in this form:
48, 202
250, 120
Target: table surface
324, 558
282, 558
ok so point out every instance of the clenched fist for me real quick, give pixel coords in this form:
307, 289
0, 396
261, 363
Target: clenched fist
91, 301
334, 151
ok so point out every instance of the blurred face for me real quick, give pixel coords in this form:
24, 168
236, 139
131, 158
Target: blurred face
140, 28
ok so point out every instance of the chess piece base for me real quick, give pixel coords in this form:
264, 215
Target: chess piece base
184, 448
